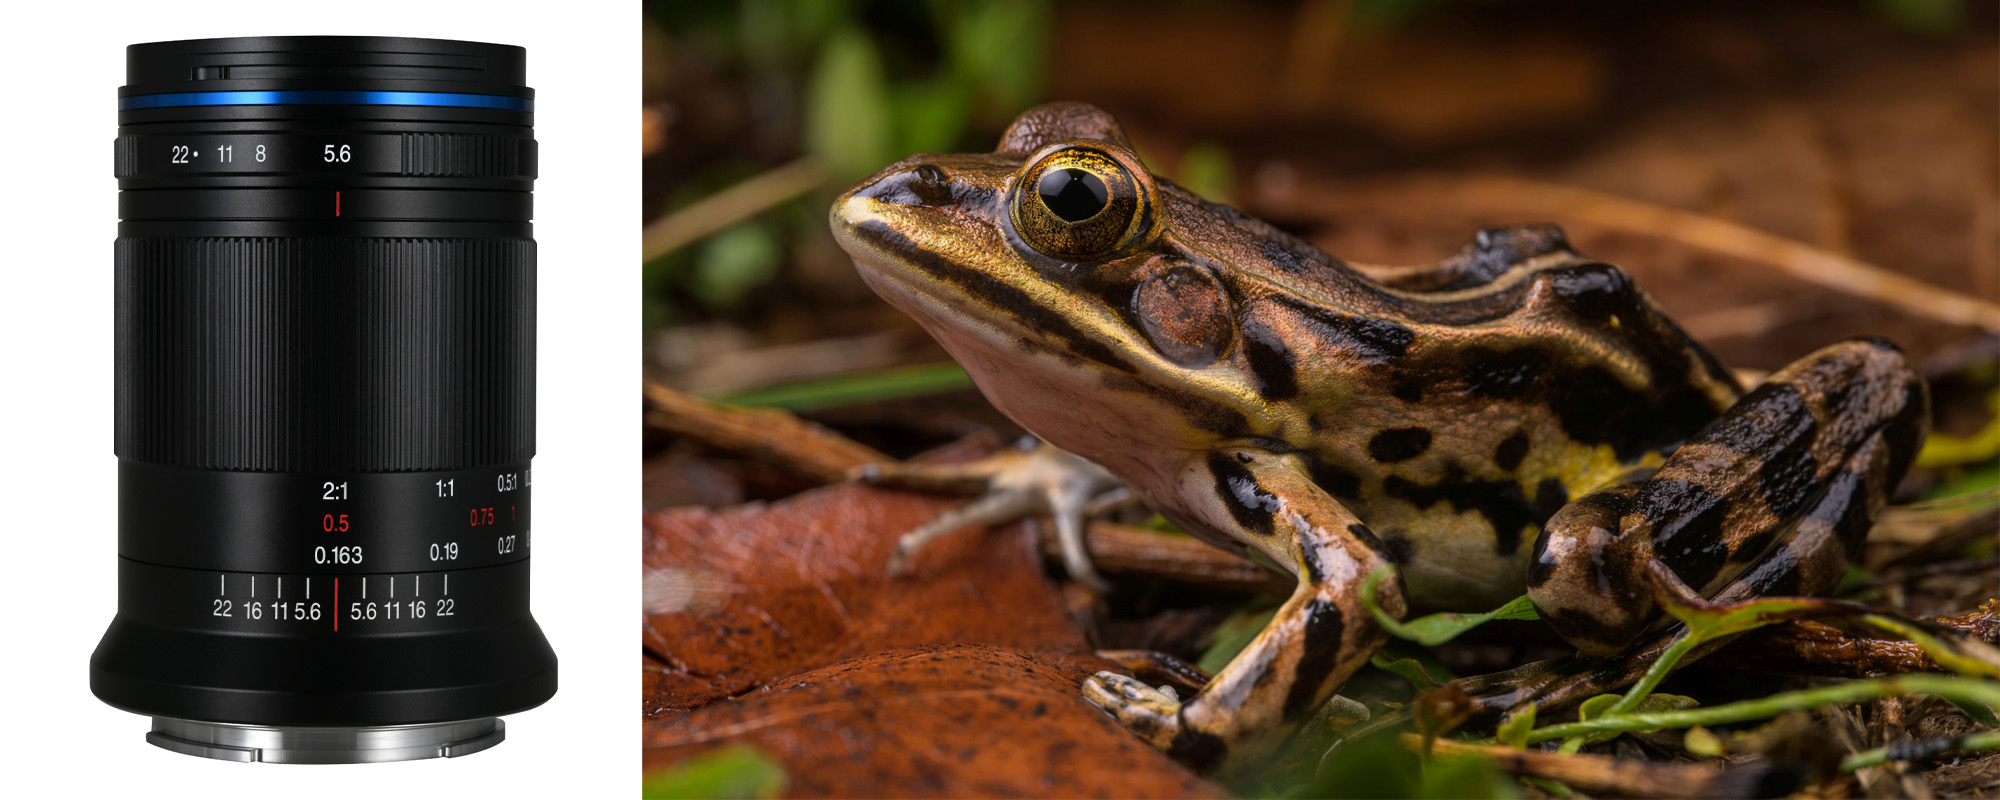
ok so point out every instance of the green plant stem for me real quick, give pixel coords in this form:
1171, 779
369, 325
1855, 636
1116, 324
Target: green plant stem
1656, 673
1976, 691
1987, 740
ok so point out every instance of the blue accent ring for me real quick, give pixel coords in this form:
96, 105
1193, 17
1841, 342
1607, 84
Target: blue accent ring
325, 98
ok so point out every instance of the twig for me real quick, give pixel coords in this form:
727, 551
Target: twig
1125, 549
776, 435
729, 207
1949, 537
1821, 649
1797, 259
826, 456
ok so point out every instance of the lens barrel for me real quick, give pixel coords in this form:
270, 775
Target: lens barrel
325, 291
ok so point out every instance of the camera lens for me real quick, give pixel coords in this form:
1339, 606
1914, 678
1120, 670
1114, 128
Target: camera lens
325, 364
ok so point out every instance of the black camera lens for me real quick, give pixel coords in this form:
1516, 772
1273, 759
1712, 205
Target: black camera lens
325, 410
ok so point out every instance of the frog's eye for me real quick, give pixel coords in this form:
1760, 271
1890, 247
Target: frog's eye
1081, 203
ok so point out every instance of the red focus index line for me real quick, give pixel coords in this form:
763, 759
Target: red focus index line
336, 203
336, 581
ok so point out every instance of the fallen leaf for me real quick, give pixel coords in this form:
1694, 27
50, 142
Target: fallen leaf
777, 627
962, 720
743, 596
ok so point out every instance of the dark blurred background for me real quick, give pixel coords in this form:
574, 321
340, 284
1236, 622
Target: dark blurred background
1385, 132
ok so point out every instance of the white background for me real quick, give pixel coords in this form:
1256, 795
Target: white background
63, 63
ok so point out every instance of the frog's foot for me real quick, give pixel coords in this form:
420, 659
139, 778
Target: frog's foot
1151, 714
1319, 637
1012, 484
1156, 667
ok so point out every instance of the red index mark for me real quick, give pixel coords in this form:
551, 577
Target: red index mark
336, 586
336, 203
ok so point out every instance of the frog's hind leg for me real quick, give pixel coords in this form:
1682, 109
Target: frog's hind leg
1773, 497
1809, 563
1011, 484
1319, 637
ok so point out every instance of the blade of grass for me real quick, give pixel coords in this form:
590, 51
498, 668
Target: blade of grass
862, 387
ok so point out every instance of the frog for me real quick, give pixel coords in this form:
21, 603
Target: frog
1515, 419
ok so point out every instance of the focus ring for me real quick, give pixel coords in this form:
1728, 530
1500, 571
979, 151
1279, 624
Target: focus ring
300, 354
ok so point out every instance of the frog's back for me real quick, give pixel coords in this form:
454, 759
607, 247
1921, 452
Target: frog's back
1456, 415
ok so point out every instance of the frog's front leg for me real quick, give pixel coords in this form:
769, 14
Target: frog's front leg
1772, 498
1029, 478
1265, 501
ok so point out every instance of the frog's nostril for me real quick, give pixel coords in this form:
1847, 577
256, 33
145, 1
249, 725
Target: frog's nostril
926, 185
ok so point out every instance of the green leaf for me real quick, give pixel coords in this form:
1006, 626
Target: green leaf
1514, 729
1599, 706
848, 114
930, 117
1436, 629
994, 49
1372, 765
731, 263
1595, 707
1702, 742
1464, 776
1413, 663
1709, 622
735, 771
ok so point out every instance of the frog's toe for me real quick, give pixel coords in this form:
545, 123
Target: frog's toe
1009, 485
1151, 714
994, 508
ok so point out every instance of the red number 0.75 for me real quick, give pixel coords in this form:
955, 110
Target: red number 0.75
482, 516
333, 523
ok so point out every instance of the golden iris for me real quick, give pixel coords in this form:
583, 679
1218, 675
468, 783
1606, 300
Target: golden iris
1080, 203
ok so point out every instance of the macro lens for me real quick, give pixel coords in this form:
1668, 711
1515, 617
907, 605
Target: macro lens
325, 410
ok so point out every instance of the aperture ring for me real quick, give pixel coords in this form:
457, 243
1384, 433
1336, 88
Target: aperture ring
175, 158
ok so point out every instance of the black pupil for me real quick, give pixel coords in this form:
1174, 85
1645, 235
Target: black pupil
1073, 194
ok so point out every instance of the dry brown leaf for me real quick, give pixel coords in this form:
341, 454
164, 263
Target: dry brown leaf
776, 625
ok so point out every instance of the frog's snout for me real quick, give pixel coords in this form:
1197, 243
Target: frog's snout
910, 182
